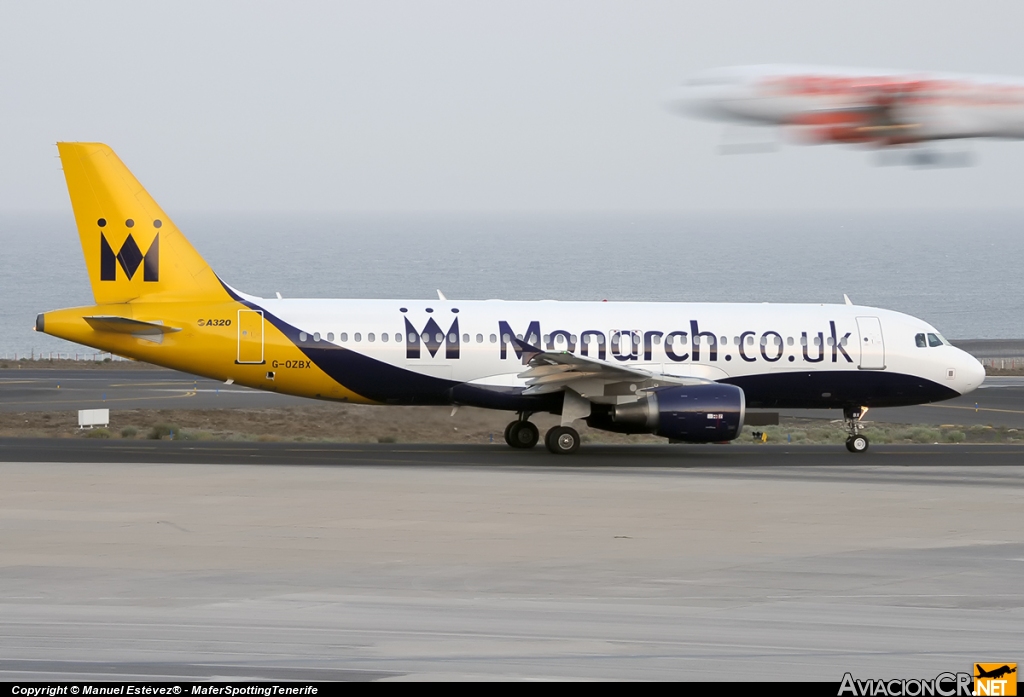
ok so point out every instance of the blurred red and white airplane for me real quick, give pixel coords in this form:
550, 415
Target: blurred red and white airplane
878, 108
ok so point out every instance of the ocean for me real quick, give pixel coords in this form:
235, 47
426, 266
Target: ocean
959, 271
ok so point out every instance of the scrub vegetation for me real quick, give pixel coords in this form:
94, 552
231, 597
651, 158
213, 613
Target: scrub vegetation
347, 423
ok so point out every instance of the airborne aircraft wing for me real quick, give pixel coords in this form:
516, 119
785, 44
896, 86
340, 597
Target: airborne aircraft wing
554, 371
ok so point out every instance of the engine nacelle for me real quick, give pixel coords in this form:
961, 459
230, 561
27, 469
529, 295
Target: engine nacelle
696, 414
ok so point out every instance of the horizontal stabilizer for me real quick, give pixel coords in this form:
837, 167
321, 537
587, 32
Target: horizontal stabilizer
123, 325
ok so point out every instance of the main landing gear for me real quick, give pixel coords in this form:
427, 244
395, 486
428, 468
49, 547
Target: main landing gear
521, 433
856, 443
560, 440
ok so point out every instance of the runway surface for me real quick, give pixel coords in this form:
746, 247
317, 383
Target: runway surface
999, 403
749, 457
298, 561
69, 390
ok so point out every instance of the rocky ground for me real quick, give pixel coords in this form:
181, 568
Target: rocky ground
372, 424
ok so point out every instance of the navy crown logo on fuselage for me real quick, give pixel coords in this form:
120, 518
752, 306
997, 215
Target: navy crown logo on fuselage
130, 257
433, 338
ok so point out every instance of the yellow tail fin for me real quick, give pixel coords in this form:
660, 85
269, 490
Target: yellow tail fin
132, 249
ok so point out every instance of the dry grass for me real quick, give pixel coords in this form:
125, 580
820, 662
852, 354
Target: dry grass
350, 423
345, 423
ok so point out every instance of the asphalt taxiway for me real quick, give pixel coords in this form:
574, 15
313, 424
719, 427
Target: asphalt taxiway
180, 560
41, 389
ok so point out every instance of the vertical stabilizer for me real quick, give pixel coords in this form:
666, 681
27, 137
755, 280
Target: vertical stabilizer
132, 249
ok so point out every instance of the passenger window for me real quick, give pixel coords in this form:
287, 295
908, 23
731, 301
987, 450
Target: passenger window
572, 339
504, 338
817, 341
412, 338
384, 337
465, 338
370, 337
479, 338
657, 339
934, 340
438, 337
494, 339
919, 340
398, 337
357, 336
316, 336
789, 341
303, 336
452, 338
343, 336
724, 340
330, 336
750, 340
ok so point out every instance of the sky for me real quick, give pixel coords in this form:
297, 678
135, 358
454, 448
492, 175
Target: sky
487, 107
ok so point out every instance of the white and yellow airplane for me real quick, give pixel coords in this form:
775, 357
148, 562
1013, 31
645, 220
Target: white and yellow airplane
684, 371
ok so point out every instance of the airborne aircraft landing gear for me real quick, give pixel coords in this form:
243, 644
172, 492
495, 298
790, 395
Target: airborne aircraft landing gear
521, 433
856, 443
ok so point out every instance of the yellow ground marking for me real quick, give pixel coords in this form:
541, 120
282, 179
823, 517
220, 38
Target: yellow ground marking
151, 384
950, 406
190, 393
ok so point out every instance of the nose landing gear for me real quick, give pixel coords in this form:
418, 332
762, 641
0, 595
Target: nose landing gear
521, 433
856, 443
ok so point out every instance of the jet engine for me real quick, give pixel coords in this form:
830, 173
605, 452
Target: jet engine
696, 414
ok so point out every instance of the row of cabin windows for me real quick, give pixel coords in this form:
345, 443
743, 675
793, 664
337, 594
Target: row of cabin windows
680, 339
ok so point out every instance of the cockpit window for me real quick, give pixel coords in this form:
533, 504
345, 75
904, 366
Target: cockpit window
934, 340
920, 341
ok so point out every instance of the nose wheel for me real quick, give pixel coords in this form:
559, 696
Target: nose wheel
852, 422
856, 444
521, 433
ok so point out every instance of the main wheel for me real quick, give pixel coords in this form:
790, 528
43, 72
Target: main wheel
521, 434
857, 444
508, 433
562, 440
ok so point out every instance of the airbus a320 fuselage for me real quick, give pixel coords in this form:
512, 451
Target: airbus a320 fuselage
684, 371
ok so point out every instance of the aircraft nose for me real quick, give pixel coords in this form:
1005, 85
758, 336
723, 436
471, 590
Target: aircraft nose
970, 373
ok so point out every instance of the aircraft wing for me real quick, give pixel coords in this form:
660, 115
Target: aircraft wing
555, 371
